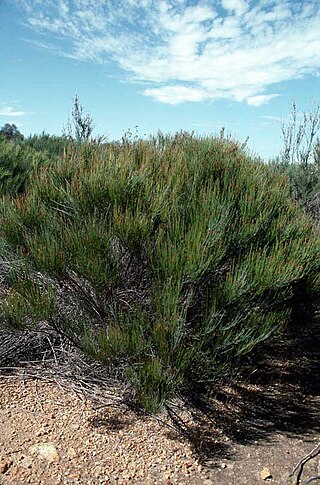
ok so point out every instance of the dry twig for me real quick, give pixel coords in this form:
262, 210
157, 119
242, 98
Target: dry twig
299, 467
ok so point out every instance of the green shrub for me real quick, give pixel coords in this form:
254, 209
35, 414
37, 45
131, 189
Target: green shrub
51, 144
174, 256
27, 301
17, 162
304, 180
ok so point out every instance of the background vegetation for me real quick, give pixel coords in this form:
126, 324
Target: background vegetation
299, 159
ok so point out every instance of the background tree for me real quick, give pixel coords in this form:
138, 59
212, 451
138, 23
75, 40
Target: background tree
11, 132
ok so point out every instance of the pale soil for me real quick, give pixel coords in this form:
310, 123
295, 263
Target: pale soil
269, 419
118, 447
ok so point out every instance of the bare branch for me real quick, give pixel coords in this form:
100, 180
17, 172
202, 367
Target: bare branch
299, 467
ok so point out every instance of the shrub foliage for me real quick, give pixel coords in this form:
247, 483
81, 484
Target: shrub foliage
16, 164
20, 158
170, 258
52, 145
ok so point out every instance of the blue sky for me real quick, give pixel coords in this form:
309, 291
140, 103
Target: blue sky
160, 64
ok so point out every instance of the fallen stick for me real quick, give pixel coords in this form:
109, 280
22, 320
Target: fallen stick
299, 467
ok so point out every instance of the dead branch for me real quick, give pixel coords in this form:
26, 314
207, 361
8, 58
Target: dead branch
299, 467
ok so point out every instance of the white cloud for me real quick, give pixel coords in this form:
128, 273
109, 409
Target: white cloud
10, 111
238, 6
261, 99
175, 94
222, 49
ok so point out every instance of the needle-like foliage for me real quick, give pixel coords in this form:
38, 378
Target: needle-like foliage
171, 257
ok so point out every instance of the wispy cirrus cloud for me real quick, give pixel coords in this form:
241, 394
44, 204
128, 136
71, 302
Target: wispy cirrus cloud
10, 111
223, 49
276, 119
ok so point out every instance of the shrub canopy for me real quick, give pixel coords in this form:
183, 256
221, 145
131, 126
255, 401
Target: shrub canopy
170, 258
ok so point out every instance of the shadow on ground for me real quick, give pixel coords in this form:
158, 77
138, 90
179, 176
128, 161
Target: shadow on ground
279, 393
109, 423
